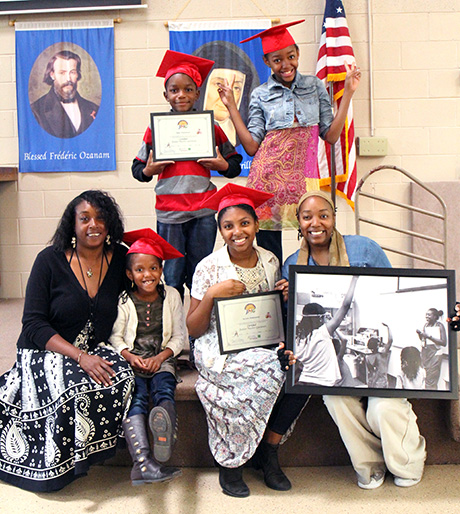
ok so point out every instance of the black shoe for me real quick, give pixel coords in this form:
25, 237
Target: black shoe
266, 459
232, 483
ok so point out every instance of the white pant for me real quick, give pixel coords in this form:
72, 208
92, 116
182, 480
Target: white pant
384, 435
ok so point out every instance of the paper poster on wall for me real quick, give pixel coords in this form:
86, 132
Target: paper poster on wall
220, 42
65, 96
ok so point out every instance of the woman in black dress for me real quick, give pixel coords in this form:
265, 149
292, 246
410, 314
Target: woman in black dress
62, 403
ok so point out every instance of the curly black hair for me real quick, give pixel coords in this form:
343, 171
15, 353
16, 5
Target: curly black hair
243, 206
107, 207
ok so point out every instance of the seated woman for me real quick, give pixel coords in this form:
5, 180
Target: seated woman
384, 434
63, 402
238, 391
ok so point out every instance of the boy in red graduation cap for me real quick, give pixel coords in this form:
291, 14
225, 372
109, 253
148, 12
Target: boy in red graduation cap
183, 185
286, 116
149, 333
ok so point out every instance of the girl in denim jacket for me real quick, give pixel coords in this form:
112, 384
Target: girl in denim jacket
287, 114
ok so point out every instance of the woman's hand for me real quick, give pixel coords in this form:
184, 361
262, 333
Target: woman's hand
455, 319
283, 286
227, 288
422, 336
286, 357
218, 163
154, 167
99, 369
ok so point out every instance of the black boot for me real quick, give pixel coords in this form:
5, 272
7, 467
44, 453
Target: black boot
162, 422
145, 469
266, 459
232, 483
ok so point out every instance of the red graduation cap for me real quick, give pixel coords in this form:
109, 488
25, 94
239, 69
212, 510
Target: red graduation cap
145, 240
233, 194
197, 68
275, 38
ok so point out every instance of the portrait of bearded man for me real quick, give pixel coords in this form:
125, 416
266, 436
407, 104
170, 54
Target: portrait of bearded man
63, 112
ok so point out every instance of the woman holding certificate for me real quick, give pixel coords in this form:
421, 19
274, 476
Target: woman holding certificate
239, 390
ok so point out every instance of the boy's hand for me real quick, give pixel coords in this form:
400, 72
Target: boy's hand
353, 77
218, 164
153, 167
226, 93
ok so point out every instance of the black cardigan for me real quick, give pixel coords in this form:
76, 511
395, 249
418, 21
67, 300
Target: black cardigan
56, 303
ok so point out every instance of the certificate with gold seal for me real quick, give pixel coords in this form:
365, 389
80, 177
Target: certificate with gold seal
183, 136
249, 321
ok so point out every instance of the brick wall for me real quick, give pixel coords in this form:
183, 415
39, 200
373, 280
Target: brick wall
416, 58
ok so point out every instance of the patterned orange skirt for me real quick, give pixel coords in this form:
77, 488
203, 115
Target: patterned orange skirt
284, 164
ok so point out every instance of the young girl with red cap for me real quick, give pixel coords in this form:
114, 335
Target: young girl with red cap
239, 391
149, 333
286, 116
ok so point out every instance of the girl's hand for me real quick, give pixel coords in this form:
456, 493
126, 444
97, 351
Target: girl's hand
226, 93
97, 368
283, 286
227, 288
153, 167
138, 363
153, 364
352, 77
135, 361
286, 357
218, 163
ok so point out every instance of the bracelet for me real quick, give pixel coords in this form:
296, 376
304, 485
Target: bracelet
79, 357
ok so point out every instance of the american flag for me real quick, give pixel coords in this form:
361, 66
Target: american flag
334, 50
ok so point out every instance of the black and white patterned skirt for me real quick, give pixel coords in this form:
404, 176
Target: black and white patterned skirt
55, 421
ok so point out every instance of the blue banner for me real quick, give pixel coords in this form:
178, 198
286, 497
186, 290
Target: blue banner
65, 96
220, 42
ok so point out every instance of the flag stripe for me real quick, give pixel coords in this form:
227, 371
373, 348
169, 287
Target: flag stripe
334, 50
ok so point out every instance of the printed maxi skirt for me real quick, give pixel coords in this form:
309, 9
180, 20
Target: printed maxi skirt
55, 421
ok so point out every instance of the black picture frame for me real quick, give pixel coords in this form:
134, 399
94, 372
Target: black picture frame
249, 316
384, 297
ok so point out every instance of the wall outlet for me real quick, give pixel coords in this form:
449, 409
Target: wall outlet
372, 146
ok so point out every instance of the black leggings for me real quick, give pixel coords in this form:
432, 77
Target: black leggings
285, 412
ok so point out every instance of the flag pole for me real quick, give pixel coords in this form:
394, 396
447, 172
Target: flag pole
333, 167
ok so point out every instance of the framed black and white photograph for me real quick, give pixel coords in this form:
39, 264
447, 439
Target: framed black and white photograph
372, 332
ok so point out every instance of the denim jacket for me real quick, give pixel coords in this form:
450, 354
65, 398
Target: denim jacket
273, 106
362, 252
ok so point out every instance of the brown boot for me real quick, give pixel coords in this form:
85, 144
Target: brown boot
145, 469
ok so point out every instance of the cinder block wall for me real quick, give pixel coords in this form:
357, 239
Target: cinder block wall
416, 58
